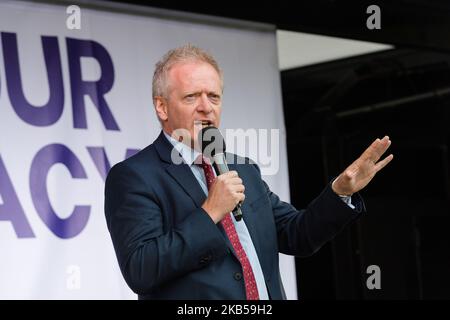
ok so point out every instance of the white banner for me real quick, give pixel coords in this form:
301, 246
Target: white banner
75, 98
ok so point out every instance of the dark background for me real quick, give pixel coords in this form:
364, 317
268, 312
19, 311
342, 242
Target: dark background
334, 110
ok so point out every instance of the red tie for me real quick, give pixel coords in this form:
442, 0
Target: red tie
249, 278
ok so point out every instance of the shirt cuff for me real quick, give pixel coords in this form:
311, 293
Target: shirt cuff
347, 200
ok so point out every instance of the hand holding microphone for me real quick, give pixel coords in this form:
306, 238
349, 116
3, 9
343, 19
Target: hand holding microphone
227, 192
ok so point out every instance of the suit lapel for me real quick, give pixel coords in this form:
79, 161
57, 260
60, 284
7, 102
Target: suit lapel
183, 175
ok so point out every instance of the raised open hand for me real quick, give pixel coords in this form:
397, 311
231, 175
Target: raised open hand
363, 169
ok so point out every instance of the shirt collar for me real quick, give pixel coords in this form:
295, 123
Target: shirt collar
187, 153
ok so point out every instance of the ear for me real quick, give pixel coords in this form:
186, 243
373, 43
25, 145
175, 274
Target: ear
161, 108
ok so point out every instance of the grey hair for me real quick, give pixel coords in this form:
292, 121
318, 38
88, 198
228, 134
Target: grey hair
185, 53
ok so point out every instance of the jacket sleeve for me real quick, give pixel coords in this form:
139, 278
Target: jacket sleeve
303, 232
149, 253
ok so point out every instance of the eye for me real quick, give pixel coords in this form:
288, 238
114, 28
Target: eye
215, 98
190, 97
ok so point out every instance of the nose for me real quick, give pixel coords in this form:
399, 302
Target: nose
204, 105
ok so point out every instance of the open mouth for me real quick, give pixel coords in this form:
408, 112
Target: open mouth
204, 123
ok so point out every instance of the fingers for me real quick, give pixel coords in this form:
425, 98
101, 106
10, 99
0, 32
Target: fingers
240, 198
376, 149
232, 179
381, 148
380, 165
238, 188
231, 174
238, 192
236, 180
384, 144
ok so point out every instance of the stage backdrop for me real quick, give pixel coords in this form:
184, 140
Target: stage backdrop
73, 102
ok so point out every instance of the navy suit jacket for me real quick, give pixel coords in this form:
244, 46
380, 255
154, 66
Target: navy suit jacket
168, 247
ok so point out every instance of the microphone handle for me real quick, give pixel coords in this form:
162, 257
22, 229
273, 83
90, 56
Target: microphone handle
221, 166
237, 212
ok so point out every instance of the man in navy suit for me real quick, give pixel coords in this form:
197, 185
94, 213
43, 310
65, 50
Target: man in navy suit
170, 221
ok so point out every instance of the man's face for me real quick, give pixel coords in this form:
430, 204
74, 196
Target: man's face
194, 99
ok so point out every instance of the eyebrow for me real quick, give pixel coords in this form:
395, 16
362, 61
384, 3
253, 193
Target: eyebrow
188, 93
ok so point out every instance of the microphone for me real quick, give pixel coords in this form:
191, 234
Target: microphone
213, 147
